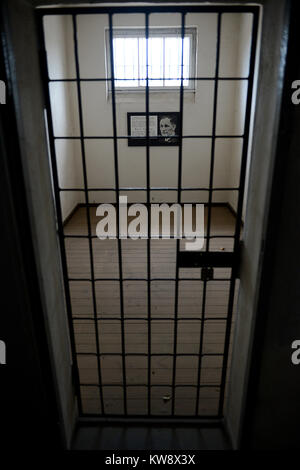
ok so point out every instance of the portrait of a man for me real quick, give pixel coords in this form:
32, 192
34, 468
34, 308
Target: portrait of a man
167, 128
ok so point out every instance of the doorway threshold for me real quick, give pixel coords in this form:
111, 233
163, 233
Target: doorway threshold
150, 436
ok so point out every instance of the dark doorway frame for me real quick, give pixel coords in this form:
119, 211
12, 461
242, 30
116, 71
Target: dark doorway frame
21, 30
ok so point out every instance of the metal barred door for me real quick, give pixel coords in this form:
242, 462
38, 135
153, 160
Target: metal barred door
150, 323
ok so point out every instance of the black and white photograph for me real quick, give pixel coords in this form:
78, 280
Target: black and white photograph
168, 128
163, 129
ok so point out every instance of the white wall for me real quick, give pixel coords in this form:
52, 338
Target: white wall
58, 36
198, 110
242, 67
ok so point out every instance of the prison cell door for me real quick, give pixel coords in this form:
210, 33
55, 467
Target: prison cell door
150, 322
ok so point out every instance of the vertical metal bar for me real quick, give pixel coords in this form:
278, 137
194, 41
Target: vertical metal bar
149, 213
212, 161
164, 61
239, 209
86, 193
179, 202
116, 161
214, 123
138, 58
60, 229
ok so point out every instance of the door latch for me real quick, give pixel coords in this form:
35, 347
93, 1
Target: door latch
207, 274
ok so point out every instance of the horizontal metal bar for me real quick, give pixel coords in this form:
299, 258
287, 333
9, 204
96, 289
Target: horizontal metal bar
146, 354
100, 137
145, 238
152, 385
142, 88
215, 259
160, 237
93, 419
189, 319
128, 279
44, 11
151, 189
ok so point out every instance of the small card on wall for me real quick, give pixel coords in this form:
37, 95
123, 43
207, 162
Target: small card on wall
163, 129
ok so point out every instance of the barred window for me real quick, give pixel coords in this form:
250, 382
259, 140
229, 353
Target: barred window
164, 58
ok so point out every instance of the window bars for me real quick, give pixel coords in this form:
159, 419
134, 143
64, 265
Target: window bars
130, 58
208, 258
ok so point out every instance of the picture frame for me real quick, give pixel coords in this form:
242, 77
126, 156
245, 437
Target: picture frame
163, 129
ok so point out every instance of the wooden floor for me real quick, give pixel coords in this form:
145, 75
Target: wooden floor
107, 291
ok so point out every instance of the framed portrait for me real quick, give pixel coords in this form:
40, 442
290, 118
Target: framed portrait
163, 129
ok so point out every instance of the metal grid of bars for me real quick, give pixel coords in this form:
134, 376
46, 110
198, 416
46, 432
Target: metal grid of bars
181, 259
